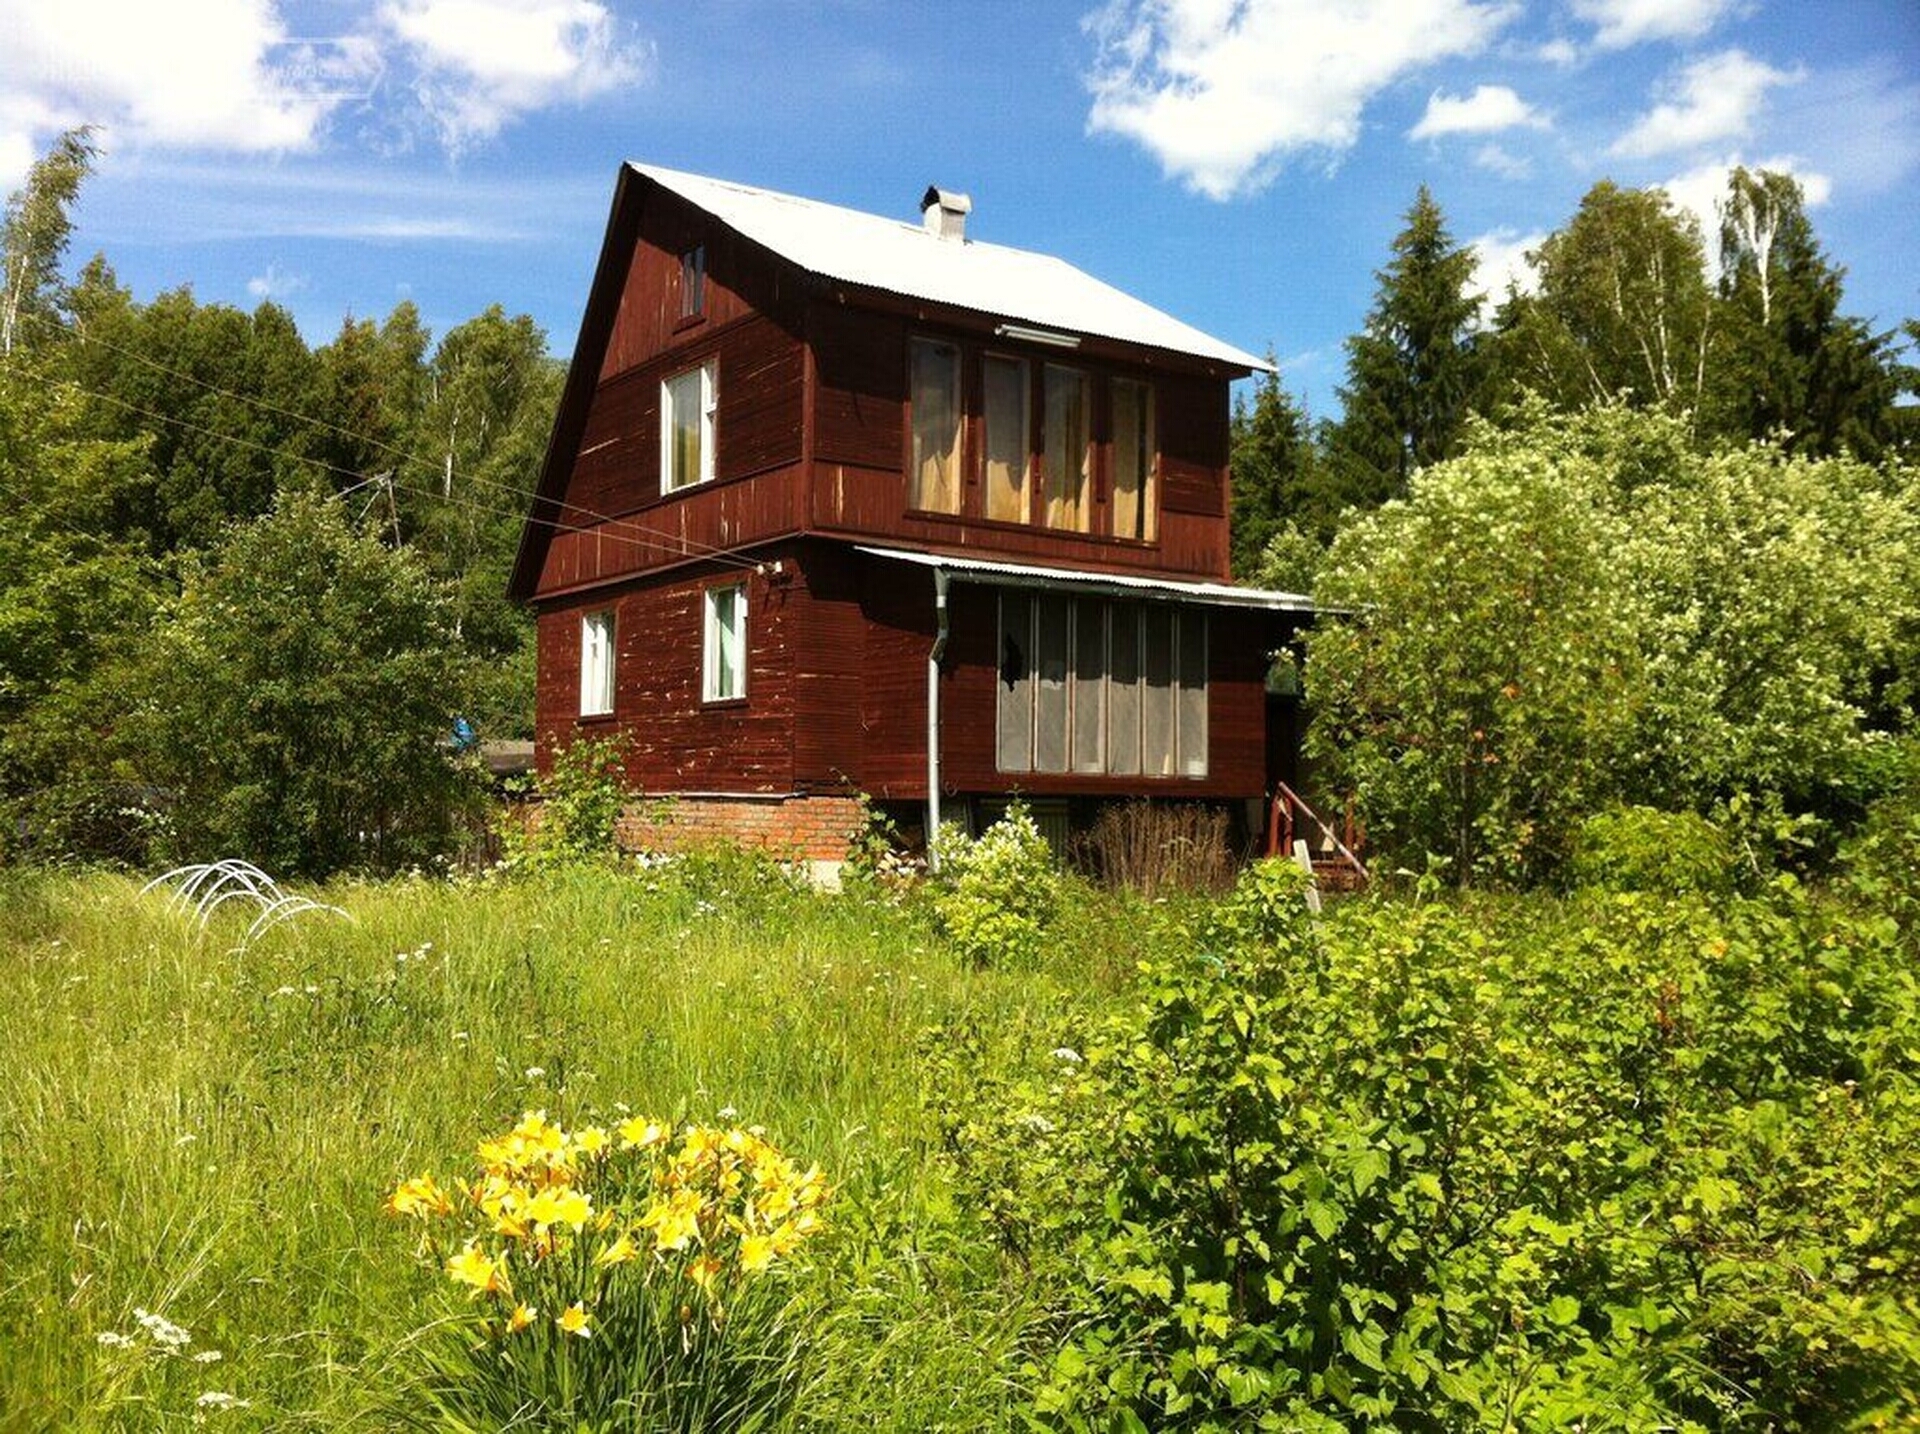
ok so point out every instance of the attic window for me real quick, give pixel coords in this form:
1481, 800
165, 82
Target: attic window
693, 282
686, 428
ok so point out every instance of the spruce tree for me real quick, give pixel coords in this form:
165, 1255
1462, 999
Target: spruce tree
1414, 371
1276, 479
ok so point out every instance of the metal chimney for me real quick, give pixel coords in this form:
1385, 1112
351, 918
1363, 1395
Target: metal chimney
944, 213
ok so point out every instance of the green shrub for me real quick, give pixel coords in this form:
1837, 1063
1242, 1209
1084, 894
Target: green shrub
1626, 1164
1633, 848
581, 799
997, 894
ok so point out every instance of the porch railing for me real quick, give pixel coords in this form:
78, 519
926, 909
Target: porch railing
1287, 812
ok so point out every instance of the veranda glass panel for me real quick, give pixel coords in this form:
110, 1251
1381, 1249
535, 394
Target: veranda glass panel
1089, 685
1193, 693
1158, 718
1133, 496
1050, 684
1066, 447
934, 480
1123, 690
1006, 437
1014, 709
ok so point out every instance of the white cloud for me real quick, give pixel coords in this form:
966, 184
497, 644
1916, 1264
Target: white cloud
482, 64
1631, 22
1508, 166
1489, 109
216, 74
1713, 100
1563, 53
1500, 264
274, 284
1221, 92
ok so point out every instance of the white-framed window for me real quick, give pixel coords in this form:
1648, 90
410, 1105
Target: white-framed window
596, 664
725, 662
693, 282
686, 427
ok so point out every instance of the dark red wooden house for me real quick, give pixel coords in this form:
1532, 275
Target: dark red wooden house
839, 504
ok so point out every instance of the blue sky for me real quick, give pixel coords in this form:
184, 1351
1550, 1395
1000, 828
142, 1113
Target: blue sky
1242, 164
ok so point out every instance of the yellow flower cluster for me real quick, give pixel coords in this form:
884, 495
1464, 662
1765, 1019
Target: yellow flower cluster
574, 1214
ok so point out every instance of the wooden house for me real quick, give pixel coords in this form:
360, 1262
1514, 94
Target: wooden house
837, 504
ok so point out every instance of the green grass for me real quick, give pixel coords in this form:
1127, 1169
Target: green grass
207, 1133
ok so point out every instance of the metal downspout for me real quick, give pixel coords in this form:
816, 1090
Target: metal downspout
934, 654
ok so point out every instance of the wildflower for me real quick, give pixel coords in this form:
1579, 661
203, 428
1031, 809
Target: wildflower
559, 1205
756, 1253
536, 1072
474, 1267
574, 1321
113, 1339
674, 1221
419, 1196
522, 1316
1067, 1054
162, 1331
620, 1252
703, 1270
591, 1142
220, 1399
641, 1133
208, 1356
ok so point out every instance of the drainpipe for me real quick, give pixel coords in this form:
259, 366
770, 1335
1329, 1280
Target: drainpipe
934, 654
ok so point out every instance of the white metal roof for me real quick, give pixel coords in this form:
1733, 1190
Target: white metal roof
903, 258
1109, 584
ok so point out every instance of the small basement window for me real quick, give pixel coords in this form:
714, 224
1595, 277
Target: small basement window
686, 428
725, 643
596, 664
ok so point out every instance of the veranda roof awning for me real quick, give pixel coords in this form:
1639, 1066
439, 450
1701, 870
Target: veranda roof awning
1031, 575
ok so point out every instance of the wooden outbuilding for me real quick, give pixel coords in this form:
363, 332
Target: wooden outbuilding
837, 504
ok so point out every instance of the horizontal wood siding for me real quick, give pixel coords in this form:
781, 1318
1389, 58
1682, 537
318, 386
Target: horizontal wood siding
677, 742
860, 388
829, 635
1194, 440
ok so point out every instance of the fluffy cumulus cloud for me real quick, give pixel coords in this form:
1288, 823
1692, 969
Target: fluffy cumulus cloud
1489, 109
481, 64
228, 75
218, 74
1222, 92
1619, 23
1713, 100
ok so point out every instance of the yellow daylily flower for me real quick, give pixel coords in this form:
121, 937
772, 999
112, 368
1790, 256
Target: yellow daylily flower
474, 1267
574, 1320
756, 1253
522, 1316
641, 1133
620, 1252
420, 1196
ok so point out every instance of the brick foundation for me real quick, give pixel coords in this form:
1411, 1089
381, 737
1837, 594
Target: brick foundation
811, 829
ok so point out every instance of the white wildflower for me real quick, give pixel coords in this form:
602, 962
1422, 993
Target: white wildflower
220, 1399
536, 1072
113, 1339
208, 1356
1067, 1054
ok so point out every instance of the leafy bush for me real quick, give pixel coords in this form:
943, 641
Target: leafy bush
614, 1280
1645, 849
581, 801
996, 895
1636, 1165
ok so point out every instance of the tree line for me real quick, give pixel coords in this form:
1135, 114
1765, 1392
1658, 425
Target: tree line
248, 586
1626, 310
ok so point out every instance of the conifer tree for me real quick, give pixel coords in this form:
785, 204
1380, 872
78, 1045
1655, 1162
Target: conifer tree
1414, 371
1276, 476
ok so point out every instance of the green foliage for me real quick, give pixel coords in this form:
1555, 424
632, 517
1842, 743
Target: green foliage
1640, 848
1277, 480
295, 706
996, 895
581, 799
1415, 370
1586, 610
1479, 691
1622, 311
33, 237
1882, 861
1633, 1164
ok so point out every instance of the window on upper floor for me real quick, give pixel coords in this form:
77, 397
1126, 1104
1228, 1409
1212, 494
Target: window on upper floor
1097, 686
686, 427
933, 475
1134, 504
725, 644
596, 664
693, 282
1066, 451
1006, 435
